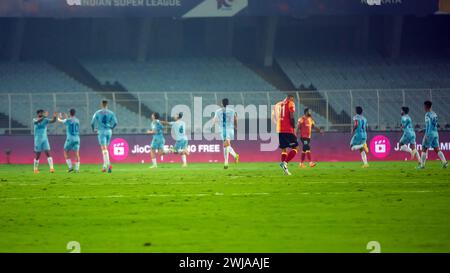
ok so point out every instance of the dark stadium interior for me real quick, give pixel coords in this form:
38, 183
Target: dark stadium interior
315, 55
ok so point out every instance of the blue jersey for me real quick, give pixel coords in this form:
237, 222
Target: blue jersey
361, 126
225, 118
407, 125
431, 124
40, 128
105, 120
72, 128
157, 128
179, 130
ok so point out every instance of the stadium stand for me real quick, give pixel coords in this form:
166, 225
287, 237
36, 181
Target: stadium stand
38, 84
334, 75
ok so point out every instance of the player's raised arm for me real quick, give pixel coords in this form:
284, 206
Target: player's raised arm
53, 119
61, 119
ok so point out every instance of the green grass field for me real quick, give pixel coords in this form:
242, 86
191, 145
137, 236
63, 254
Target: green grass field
335, 207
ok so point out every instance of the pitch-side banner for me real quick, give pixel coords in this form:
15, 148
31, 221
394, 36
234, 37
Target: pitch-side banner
329, 147
209, 8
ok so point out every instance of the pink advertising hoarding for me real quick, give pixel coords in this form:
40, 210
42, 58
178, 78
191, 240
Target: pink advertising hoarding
136, 149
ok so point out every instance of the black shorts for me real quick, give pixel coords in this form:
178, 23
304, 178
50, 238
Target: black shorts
287, 140
306, 142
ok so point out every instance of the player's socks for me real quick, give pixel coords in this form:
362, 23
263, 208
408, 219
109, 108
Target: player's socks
415, 154
283, 156
308, 156
50, 162
303, 157
442, 157
106, 162
69, 163
357, 147
232, 152
423, 159
226, 153
291, 155
36, 164
364, 157
184, 159
77, 166
154, 162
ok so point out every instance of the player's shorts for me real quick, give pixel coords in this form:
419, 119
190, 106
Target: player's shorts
158, 143
358, 140
41, 145
408, 138
72, 145
104, 137
430, 142
306, 142
181, 145
227, 134
287, 140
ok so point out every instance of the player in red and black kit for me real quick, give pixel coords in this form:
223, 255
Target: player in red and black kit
304, 129
283, 116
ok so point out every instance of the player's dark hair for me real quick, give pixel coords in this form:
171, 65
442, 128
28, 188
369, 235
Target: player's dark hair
156, 115
104, 102
180, 115
72, 112
225, 102
405, 109
428, 104
40, 111
359, 110
306, 111
290, 96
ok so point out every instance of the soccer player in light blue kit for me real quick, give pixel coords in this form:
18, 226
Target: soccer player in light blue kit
158, 141
359, 138
226, 117
41, 139
179, 134
72, 139
104, 121
409, 136
431, 137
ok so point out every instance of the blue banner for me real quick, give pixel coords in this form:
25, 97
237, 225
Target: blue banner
210, 8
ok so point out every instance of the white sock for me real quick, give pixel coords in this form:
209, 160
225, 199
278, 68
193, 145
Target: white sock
50, 162
154, 161
357, 147
405, 148
364, 157
423, 158
226, 152
69, 163
105, 158
442, 157
77, 166
416, 154
232, 152
36, 164
183, 158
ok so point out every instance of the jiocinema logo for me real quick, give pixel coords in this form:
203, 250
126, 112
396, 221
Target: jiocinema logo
118, 149
380, 146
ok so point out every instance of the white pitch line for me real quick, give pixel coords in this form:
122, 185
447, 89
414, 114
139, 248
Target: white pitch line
198, 195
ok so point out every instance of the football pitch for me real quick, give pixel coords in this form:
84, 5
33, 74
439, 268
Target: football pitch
251, 207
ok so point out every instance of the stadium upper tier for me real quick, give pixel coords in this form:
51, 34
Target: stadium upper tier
178, 74
370, 71
34, 85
